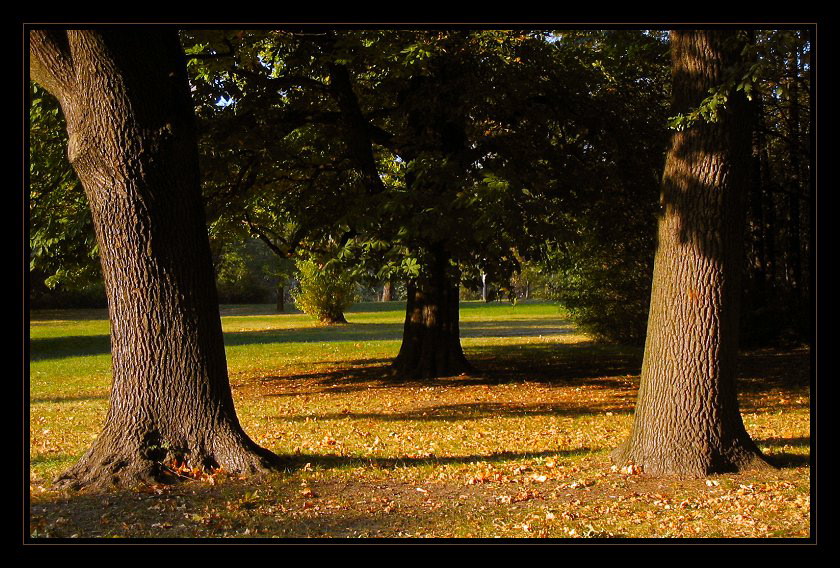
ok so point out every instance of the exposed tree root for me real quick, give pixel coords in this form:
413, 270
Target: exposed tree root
691, 464
108, 465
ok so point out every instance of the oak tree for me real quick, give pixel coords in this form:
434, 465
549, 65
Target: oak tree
687, 420
132, 143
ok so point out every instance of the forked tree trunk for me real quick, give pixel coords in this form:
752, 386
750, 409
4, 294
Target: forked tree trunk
431, 345
132, 143
687, 421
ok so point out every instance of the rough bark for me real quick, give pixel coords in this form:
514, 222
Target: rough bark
132, 142
687, 421
431, 345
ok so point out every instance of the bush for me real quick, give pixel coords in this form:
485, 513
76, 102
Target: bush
324, 292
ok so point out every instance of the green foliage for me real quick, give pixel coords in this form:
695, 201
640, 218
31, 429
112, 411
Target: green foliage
249, 273
606, 289
600, 268
324, 290
62, 248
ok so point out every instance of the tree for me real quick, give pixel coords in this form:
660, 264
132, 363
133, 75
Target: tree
324, 290
364, 144
687, 420
132, 143
63, 261
777, 283
602, 274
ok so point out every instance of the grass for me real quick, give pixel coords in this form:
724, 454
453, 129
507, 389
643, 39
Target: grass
518, 450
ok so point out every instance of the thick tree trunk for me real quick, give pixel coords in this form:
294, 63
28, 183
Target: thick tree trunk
687, 421
132, 143
431, 345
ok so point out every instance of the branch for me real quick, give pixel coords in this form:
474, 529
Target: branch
357, 128
50, 63
291, 244
281, 82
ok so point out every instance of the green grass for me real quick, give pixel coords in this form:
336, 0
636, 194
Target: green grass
519, 449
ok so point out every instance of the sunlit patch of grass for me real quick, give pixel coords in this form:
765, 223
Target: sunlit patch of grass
518, 449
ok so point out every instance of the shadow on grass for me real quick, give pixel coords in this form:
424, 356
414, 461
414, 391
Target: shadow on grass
63, 399
469, 411
300, 461
767, 369
83, 345
787, 459
567, 365
550, 362
53, 459
68, 315
193, 509
43, 348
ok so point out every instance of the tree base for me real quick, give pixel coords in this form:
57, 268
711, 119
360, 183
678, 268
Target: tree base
690, 464
109, 465
420, 370
333, 320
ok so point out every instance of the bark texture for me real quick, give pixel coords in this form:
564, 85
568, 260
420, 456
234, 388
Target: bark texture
431, 345
687, 421
132, 142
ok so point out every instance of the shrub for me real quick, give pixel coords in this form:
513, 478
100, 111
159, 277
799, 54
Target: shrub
324, 291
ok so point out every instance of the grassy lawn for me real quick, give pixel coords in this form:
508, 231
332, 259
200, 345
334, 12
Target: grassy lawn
520, 449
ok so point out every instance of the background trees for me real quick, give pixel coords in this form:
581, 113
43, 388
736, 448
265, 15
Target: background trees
444, 158
573, 118
780, 204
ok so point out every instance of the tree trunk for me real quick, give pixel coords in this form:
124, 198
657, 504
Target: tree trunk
388, 291
431, 345
795, 184
281, 297
334, 318
132, 142
687, 421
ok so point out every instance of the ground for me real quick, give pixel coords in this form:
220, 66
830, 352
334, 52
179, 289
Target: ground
518, 449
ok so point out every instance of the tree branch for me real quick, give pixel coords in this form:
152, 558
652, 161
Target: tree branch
50, 62
284, 82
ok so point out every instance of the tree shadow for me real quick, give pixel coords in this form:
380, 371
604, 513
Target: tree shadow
361, 332
299, 461
42, 348
555, 363
787, 459
190, 509
580, 364
39, 317
63, 399
768, 369
470, 411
